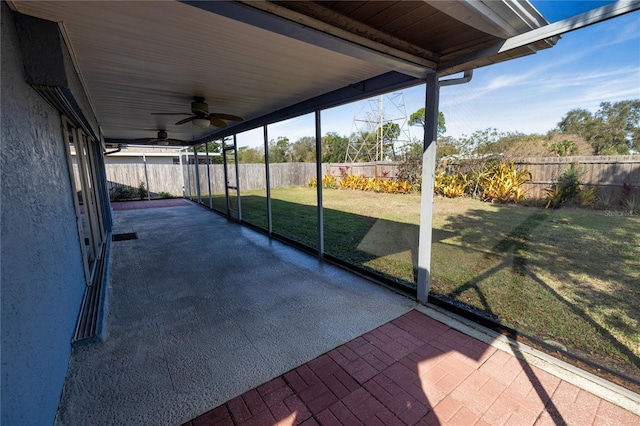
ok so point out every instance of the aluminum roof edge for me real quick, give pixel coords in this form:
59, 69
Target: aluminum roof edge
548, 34
502, 18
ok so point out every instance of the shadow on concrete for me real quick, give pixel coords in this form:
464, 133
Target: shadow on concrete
412, 370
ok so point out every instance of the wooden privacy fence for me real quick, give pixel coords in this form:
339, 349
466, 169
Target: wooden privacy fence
169, 177
162, 177
252, 176
374, 169
606, 173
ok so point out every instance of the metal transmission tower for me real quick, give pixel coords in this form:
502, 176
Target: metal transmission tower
380, 130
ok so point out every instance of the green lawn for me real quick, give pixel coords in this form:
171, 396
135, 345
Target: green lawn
569, 276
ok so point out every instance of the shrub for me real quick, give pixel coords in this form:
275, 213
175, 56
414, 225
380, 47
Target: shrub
142, 191
351, 181
410, 170
344, 170
450, 186
587, 197
566, 189
569, 182
631, 204
496, 182
604, 201
328, 182
502, 183
363, 183
165, 195
555, 197
626, 192
120, 193
563, 148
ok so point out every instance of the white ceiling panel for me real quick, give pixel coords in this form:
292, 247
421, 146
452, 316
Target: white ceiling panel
141, 57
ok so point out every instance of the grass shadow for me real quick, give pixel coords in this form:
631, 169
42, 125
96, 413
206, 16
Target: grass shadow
487, 261
382, 246
551, 315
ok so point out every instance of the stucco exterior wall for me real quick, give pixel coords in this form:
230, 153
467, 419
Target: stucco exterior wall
41, 271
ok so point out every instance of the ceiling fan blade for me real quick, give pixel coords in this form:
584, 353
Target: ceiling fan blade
185, 120
227, 116
169, 113
199, 111
218, 122
145, 139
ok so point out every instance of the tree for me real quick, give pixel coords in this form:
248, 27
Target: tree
388, 133
613, 129
363, 146
418, 119
334, 148
214, 147
304, 150
248, 155
577, 121
499, 142
617, 127
446, 146
279, 150
563, 148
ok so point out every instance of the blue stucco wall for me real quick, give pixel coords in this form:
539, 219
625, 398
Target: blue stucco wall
41, 270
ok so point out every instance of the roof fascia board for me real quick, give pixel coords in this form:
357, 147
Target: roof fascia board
547, 32
571, 24
283, 21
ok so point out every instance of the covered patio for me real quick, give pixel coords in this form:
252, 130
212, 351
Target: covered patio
272, 335
160, 315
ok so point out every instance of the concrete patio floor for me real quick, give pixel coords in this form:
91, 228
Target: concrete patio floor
209, 322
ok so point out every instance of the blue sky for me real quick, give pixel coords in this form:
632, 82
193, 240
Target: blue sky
599, 63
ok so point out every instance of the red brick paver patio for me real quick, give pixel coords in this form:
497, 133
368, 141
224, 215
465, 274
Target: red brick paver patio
416, 370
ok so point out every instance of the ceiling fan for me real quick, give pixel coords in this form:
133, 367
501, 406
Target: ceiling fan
201, 116
161, 139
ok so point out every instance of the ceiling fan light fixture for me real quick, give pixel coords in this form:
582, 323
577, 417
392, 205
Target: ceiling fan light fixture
201, 122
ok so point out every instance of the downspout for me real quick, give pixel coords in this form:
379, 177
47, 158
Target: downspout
146, 175
113, 152
468, 74
432, 100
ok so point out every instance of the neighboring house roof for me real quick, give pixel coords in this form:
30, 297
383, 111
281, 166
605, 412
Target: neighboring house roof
251, 58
